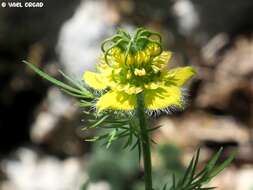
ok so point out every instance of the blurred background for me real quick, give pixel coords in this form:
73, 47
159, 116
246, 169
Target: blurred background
42, 146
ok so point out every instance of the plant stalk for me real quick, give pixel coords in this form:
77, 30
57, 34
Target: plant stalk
145, 142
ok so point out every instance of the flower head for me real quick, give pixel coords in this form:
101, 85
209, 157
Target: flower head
137, 64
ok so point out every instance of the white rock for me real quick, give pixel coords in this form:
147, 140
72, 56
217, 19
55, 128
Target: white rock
58, 106
187, 16
80, 37
32, 172
245, 179
102, 185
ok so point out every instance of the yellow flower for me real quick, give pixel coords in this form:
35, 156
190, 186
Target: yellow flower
124, 75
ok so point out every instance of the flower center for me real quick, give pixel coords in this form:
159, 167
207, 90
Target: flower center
140, 72
133, 60
136, 69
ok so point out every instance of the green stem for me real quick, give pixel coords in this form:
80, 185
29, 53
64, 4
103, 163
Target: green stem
145, 142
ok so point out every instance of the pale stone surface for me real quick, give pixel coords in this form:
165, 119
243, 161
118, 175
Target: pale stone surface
193, 128
32, 172
80, 37
99, 186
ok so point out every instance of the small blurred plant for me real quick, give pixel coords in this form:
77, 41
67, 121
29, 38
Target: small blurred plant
132, 83
116, 167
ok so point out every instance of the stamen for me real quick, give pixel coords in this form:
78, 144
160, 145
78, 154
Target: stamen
140, 72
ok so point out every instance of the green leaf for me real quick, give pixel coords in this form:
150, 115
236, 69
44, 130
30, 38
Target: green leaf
193, 181
195, 164
188, 172
55, 81
100, 121
173, 182
213, 161
137, 142
73, 94
225, 164
76, 83
84, 103
111, 138
164, 187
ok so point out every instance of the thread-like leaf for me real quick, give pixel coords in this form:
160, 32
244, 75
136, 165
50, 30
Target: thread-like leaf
164, 187
210, 165
100, 121
54, 81
84, 103
111, 138
76, 83
51, 79
220, 168
193, 181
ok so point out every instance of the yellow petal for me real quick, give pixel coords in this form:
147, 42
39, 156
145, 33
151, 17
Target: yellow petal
105, 69
116, 100
165, 56
127, 88
163, 97
163, 59
181, 75
153, 85
133, 90
94, 80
